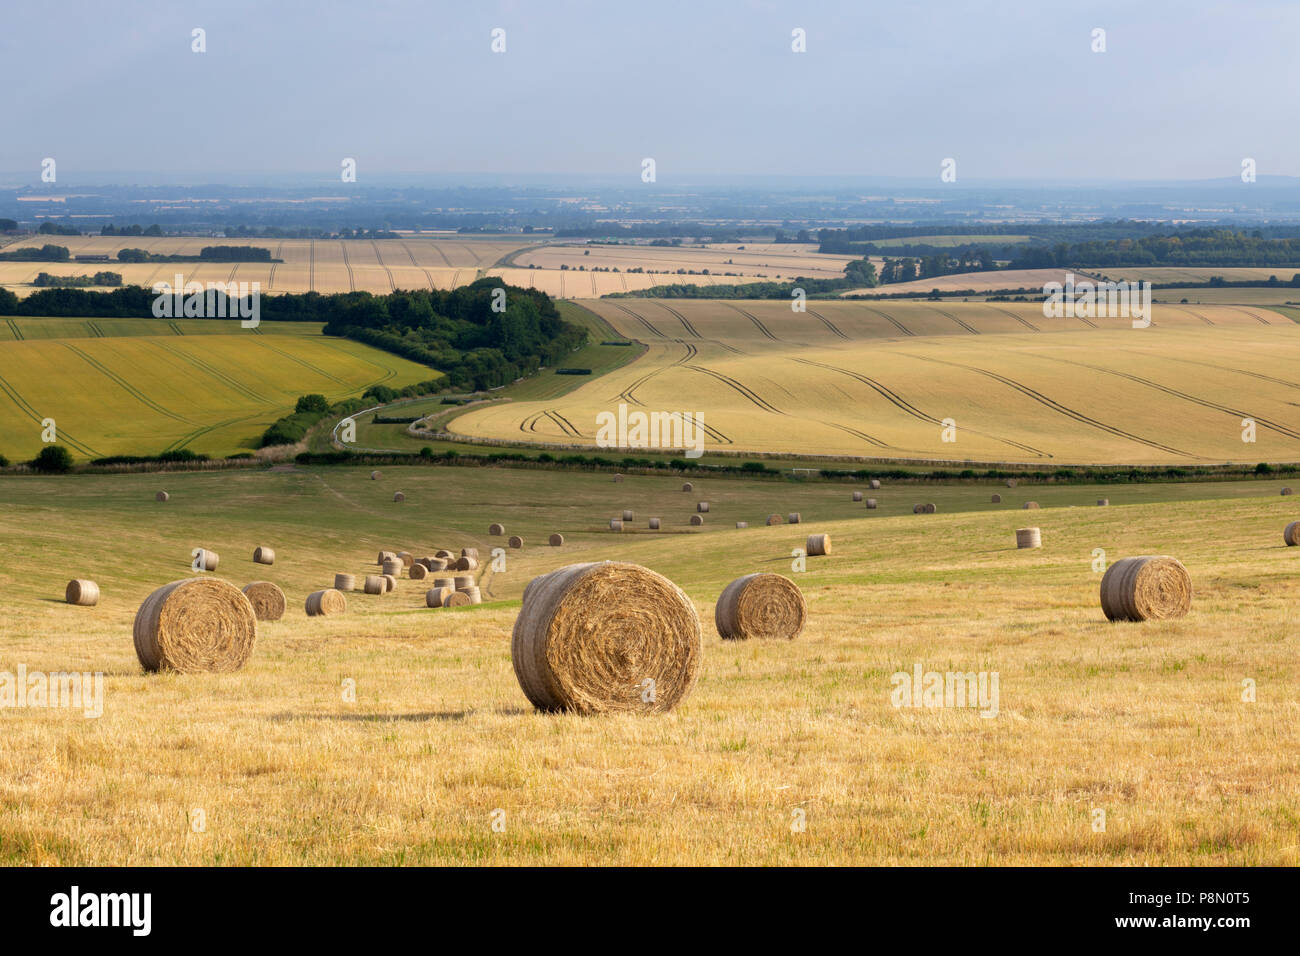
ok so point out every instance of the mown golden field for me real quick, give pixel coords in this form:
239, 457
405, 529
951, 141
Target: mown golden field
896, 380
1146, 722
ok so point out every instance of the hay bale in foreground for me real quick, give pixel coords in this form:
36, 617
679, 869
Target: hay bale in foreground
930, 508
687, 486
390, 583
405, 558
697, 520
457, 599
394, 567
761, 605
398, 496
81, 592
654, 524
1029, 538
556, 540
466, 564
264, 555
618, 477
1103, 502
628, 515
386, 556
605, 637
817, 544
345, 582
496, 530
205, 560
857, 496
374, 476
996, 499
875, 484
742, 524
918, 509
469, 553
1031, 505
515, 541
418, 572
375, 584
445, 583
475, 596
615, 524
195, 625
1011, 482
162, 496
325, 603
1286, 491
702, 507
444, 554
267, 600
1146, 588
462, 581
872, 503
1291, 534
775, 519
794, 517
436, 597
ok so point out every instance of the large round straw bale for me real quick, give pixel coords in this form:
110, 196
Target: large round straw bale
918, 509
398, 496
687, 486
394, 566
996, 499
162, 496
467, 564
405, 558
1031, 505
375, 584
702, 507
81, 592
496, 530
267, 600
445, 583
602, 637
474, 594
615, 524
760, 605
418, 572
794, 517
618, 477
930, 507
872, 503
444, 553
742, 524
654, 524
1286, 491
263, 555
462, 581
875, 484
1011, 482
628, 515
1029, 538
197, 624
469, 553
1291, 533
386, 556
697, 520
374, 476
1151, 587
390, 583
818, 544
775, 519
457, 599
323, 603
556, 540
206, 560
435, 597
345, 582
1102, 502
515, 541
857, 496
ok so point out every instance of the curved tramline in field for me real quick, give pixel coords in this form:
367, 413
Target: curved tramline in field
953, 382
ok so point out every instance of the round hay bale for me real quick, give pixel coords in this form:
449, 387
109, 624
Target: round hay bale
418, 572
374, 476
496, 530
390, 583
475, 596
81, 592
345, 582
263, 555
466, 564
457, 599
702, 507
515, 541
761, 605
1291, 534
857, 496
443, 553
654, 524
556, 540
469, 553
267, 600
1286, 491
627, 515
162, 496
445, 583
398, 497
596, 638
930, 508
462, 581
394, 566
198, 624
996, 499
775, 519
1011, 482
436, 597
687, 486
206, 560
405, 558
424, 562
872, 503
818, 544
742, 524
1029, 538
386, 556
1146, 588
1031, 505
375, 584
918, 509
615, 524
697, 520
794, 517
618, 477
1103, 502
875, 484
324, 603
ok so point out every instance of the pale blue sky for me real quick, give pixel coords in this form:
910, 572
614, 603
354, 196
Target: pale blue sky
706, 87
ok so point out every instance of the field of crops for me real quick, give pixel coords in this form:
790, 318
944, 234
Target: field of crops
883, 380
1145, 722
143, 386
976, 281
767, 260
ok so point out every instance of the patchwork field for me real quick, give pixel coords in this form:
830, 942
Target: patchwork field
878, 380
975, 281
1146, 722
143, 386
766, 260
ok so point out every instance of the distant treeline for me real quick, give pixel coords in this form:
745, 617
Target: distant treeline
45, 280
45, 253
110, 230
206, 254
1198, 247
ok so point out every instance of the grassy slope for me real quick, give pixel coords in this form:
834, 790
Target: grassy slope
1144, 721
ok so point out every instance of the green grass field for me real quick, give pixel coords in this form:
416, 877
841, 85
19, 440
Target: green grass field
1143, 721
